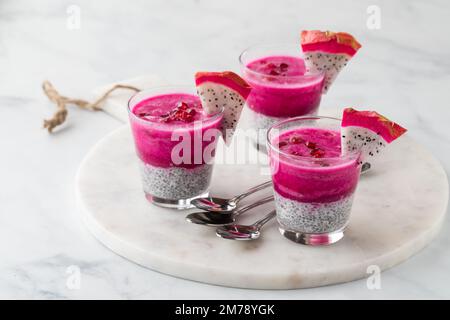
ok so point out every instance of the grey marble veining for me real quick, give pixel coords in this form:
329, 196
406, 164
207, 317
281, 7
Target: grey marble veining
402, 71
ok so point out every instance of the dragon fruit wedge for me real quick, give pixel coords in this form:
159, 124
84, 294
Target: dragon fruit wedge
369, 132
328, 52
223, 90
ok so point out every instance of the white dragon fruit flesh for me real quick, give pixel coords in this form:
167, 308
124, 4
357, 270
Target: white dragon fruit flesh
329, 52
223, 91
369, 132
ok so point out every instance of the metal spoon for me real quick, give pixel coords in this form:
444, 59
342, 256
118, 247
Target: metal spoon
226, 205
217, 219
242, 232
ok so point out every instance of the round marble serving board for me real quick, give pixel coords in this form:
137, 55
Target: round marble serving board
397, 211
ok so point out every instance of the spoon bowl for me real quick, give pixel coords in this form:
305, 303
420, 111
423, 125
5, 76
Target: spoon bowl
238, 232
214, 204
212, 219
244, 232
218, 219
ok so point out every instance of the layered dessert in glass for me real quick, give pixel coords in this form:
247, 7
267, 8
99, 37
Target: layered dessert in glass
281, 86
314, 183
175, 142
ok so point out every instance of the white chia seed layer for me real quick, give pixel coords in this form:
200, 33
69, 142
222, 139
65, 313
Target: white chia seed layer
262, 123
175, 183
313, 217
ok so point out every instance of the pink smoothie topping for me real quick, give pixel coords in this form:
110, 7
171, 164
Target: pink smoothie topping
164, 115
311, 142
313, 171
280, 87
278, 66
170, 108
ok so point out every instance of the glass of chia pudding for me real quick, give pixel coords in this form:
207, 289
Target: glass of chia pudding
313, 182
175, 142
281, 86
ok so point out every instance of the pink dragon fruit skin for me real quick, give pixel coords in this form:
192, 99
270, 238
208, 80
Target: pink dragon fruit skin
327, 52
369, 132
223, 90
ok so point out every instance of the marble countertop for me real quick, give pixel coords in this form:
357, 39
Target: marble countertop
401, 72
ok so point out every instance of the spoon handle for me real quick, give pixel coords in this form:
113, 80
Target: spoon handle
252, 190
258, 224
253, 205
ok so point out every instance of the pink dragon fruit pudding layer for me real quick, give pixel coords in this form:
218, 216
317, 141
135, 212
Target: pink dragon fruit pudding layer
281, 89
313, 183
154, 120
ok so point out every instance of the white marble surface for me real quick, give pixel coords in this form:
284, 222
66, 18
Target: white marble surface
380, 234
402, 71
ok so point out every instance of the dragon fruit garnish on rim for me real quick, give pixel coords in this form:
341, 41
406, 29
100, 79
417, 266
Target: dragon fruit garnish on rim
369, 132
328, 52
223, 91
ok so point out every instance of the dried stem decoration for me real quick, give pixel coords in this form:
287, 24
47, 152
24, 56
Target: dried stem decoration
61, 102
